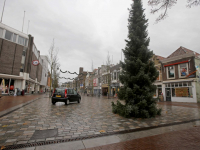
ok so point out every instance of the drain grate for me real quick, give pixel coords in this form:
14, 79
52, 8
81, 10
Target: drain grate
34, 144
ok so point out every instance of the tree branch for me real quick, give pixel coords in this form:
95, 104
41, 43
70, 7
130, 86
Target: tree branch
192, 3
161, 4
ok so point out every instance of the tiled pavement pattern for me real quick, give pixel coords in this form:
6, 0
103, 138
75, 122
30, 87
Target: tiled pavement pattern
191, 105
117, 138
188, 139
92, 116
7, 102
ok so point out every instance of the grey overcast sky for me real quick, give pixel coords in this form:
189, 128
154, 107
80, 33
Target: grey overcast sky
85, 30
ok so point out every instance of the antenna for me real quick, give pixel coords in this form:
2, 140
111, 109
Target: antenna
3, 10
23, 21
28, 26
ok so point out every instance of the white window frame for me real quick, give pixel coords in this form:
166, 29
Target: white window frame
168, 74
11, 36
179, 70
1, 36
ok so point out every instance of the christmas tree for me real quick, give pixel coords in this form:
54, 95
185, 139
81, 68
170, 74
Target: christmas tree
138, 71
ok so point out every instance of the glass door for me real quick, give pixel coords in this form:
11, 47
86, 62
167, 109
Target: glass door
168, 94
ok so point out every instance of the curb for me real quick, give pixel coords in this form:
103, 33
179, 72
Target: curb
42, 143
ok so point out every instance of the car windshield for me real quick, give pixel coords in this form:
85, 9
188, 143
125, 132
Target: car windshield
60, 91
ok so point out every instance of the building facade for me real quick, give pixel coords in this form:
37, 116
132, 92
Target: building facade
17, 52
115, 83
159, 81
180, 76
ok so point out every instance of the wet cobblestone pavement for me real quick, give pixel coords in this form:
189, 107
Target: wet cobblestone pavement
93, 116
179, 140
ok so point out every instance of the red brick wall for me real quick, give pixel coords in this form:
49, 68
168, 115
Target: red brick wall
10, 57
17, 61
33, 69
39, 73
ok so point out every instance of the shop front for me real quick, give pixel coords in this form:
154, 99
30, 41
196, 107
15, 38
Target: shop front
184, 91
159, 92
104, 89
114, 88
7, 85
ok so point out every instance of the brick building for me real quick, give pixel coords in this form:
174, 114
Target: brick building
180, 75
17, 51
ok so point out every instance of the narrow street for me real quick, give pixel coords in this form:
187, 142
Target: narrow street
40, 121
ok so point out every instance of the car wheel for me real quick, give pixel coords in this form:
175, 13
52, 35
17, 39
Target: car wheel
53, 102
79, 100
67, 102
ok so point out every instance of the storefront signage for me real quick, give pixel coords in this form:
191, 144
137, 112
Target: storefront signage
35, 62
95, 82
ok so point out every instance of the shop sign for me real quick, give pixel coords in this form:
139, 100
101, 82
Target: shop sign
35, 62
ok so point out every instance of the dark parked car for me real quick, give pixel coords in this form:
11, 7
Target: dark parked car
65, 95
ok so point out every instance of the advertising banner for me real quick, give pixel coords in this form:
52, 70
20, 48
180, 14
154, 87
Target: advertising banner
95, 82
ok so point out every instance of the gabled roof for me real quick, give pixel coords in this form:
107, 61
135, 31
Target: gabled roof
159, 57
116, 67
181, 51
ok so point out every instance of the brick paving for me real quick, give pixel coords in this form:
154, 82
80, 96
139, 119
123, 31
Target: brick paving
192, 105
7, 102
188, 139
93, 116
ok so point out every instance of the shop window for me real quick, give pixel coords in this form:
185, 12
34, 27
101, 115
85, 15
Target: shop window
173, 92
176, 84
183, 92
172, 84
184, 83
183, 70
170, 72
8, 35
159, 91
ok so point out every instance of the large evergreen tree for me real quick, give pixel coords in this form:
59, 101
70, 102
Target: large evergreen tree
138, 71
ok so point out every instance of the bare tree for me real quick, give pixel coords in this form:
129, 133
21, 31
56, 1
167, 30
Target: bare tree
53, 62
164, 5
55, 74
